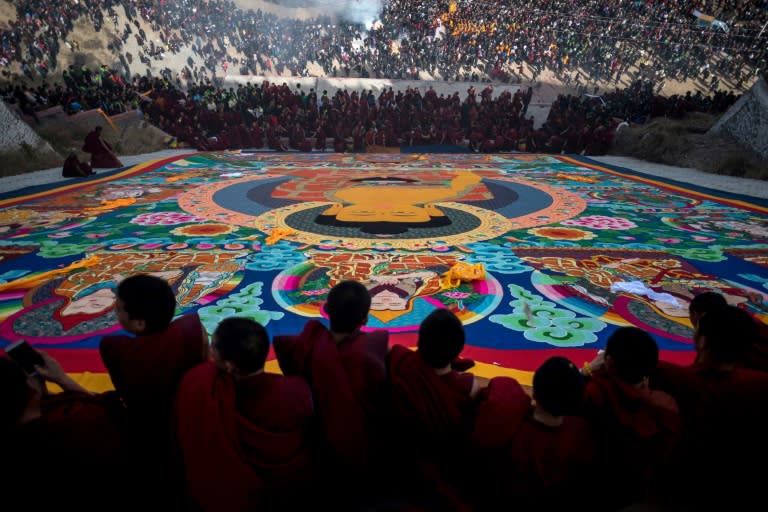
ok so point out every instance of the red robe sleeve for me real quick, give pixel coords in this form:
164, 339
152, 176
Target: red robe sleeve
424, 404
81, 434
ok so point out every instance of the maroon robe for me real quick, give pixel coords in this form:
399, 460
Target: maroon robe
101, 156
522, 461
431, 414
74, 168
347, 380
548, 465
146, 371
724, 414
756, 357
434, 410
237, 440
80, 445
637, 431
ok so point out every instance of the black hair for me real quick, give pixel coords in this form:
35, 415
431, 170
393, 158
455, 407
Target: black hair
149, 298
634, 354
558, 387
729, 332
347, 306
706, 301
441, 338
242, 342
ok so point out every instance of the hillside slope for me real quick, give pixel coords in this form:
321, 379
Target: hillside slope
686, 143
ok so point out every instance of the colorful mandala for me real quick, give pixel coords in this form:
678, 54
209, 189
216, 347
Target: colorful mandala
571, 250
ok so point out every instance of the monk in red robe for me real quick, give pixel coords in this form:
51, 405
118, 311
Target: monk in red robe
756, 355
345, 368
242, 432
432, 405
638, 428
100, 150
74, 168
532, 456
724, 413
75, 437
146, 369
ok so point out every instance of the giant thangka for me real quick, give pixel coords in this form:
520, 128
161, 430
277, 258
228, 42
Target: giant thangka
747, 120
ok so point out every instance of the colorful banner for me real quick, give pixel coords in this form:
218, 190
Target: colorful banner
705, 20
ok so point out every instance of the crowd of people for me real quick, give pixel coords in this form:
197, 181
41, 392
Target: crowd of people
445, 39
449, 39
210, 117
250, 116
354, 424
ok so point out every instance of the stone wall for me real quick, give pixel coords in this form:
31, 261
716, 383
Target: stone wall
15, 131
747, 120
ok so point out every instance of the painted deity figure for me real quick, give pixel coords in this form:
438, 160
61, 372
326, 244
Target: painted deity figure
81, 303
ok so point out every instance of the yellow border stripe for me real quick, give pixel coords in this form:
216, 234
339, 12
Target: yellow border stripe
735, 202
490, 371
100, 382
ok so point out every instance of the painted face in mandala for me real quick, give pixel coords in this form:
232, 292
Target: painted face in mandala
386, 300
679, 310
93, 303
207, 278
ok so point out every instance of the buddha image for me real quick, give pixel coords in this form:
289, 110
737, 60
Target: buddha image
382, 206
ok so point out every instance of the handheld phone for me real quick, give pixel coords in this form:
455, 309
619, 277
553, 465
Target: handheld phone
26, 356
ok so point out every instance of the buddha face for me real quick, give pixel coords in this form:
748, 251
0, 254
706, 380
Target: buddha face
397, 203
383, 212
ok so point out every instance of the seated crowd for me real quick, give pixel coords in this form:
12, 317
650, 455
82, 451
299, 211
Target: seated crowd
271, 116
353, 424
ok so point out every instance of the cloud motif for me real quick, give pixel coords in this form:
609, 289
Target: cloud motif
711, 254
246, 303
274, 257
497, 258
12, 275
542, 321
50, 249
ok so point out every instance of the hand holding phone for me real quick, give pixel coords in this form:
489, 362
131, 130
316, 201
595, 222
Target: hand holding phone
25, 355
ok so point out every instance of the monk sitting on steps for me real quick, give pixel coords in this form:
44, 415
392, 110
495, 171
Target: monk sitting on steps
535, 455
345, 368
432, 406
147, 365
100, 150
723, 408
637, 427
242, 432
74, 168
